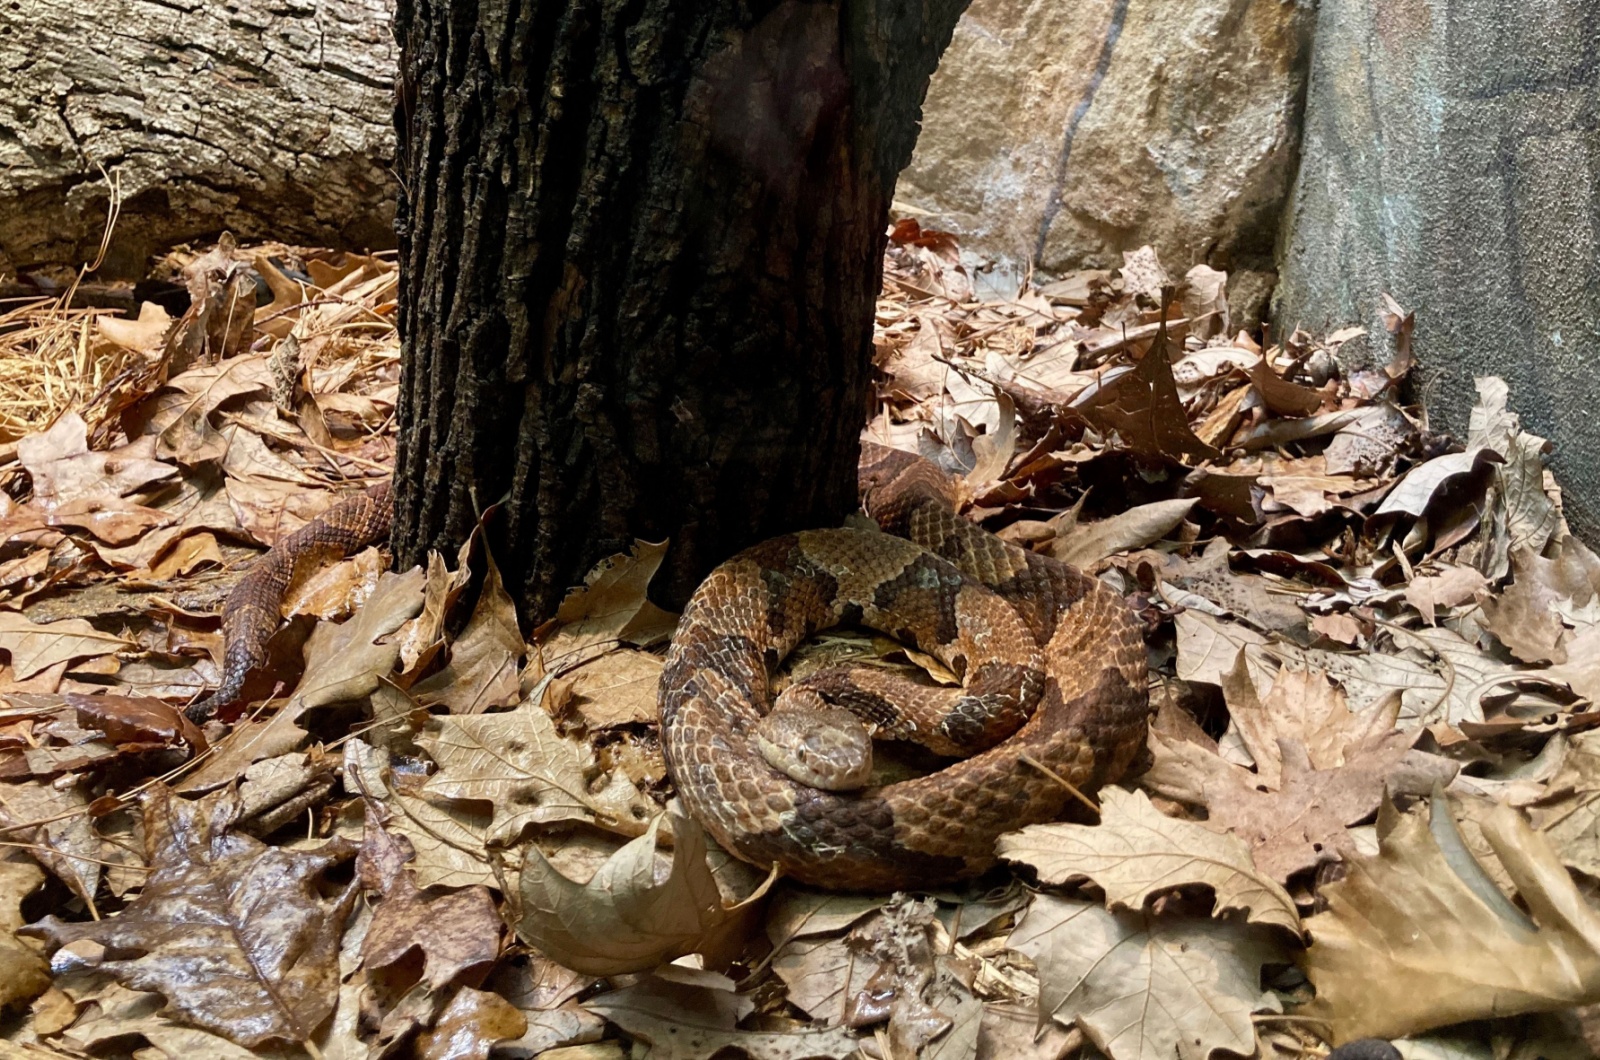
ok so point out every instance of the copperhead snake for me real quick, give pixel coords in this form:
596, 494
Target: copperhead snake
1053, 699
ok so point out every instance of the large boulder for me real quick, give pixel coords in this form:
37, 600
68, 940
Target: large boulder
1452, 160
272, 118
1065, 134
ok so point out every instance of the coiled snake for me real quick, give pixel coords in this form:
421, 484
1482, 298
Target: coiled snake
1034, 639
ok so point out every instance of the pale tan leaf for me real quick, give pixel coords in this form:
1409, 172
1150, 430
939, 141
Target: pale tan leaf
626, 919
485, 660
1409, 944
618, 688
684, 1022
1089, 543
63, 467
447, 839
1297, 825
1136, 852
610, 609
346, 661
35, 647
1450, 587
518, 763
1148, 988
1416, 490
1531, 516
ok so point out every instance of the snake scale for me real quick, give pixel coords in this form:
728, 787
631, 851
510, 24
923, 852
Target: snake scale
935, 580
254, 608
1054, 691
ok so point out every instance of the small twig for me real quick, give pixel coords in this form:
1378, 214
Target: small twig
1072, 789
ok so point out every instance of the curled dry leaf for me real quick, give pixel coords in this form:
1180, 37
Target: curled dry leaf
23, 973
1136, 852
35, 647
1409, 944
624, 919
1084, 546
1148, 987
684, 1021
235, 934
485, 659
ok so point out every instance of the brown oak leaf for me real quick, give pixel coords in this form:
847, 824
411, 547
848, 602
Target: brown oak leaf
236, 935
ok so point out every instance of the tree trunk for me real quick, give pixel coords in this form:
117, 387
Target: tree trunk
641, 249
259, 116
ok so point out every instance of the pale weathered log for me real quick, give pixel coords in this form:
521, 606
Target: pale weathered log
271, 118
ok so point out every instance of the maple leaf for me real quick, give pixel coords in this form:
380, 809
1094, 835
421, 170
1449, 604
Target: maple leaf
1418, 937
517, 762
1147, 987
458, 933
1301, 820
233, 933
447, 836
624, 919
1136, 851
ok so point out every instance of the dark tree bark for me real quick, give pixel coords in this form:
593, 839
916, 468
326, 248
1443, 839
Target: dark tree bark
641, 245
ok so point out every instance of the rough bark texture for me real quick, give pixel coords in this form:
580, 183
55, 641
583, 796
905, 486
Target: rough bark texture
641, 251
1452, 159
266, 117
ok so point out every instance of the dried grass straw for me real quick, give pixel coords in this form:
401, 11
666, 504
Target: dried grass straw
52, 357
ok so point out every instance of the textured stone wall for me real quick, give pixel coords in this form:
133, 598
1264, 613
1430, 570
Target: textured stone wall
1452, 159
1064, 134
267, 117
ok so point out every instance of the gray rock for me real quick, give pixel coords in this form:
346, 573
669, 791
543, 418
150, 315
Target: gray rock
1066, 134
1452, 159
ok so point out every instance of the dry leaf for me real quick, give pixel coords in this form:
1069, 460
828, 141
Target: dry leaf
625, 919
609, 609
1296, 826
458, 934
518, 763
1409, 943
23, 973
1086, 545
233, 933
618, 688
684, 1022
1144, 987
1136, 852
1452, 586
485, 660
470, 1026
347, 661
35, 647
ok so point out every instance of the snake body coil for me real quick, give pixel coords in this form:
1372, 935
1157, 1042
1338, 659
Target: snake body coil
930, 585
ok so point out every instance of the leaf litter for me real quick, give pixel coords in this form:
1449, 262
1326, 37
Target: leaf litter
1371, 804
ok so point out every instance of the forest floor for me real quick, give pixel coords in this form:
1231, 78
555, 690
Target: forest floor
1371, 803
